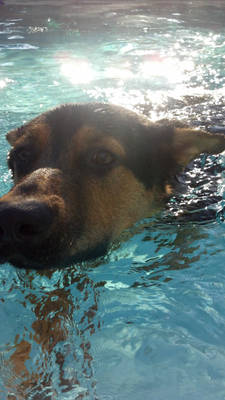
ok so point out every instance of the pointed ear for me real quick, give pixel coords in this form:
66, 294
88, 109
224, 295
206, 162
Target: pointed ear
14, 135
189, 143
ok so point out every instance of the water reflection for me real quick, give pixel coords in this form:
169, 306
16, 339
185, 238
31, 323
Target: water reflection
176, 249
52, 353
63, 313
77, 71
171, 69
4, 82
71, 325
140, 59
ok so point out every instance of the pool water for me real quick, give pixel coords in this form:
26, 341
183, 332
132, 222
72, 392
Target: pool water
148, 320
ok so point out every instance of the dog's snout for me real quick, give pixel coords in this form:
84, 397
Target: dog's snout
26, 221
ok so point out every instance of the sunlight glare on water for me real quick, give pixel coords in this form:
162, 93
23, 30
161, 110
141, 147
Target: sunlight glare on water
77, 71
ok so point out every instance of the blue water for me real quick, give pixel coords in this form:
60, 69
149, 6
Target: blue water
148, 320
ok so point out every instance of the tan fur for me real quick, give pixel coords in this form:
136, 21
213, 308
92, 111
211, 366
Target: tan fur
112, 205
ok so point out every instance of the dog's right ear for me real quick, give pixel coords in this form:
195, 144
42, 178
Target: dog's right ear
189, 143
14, 135
173, 148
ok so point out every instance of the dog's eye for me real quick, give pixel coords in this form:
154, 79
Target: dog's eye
22, 158
19, 160
23, 155
102, 158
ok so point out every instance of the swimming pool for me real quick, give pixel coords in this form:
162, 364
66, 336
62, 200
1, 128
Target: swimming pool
148, 320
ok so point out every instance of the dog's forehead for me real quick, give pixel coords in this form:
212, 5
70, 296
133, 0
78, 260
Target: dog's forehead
114, 120
78, 127
83, 125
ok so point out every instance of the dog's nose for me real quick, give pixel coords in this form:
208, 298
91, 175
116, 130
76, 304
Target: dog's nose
26, 221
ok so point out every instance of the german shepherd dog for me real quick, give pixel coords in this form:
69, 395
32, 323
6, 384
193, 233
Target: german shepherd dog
84, 173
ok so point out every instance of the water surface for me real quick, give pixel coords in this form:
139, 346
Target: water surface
147, 321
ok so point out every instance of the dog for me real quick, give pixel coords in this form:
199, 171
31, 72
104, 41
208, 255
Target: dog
83, 174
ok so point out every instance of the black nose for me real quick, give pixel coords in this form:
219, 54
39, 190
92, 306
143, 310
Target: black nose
26, 221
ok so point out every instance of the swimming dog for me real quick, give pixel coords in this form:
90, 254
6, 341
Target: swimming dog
84, 173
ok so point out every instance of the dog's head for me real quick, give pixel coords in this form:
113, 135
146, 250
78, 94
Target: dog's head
83, 174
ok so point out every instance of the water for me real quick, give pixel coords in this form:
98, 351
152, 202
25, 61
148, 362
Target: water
148, 320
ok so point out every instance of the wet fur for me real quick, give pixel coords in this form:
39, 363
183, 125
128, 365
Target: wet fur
64, 206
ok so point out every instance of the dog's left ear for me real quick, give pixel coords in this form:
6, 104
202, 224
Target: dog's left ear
14, 135
189, 143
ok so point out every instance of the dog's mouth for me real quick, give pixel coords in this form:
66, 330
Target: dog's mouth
48, 257
20, 260
36, 257
17, 260
30, 263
